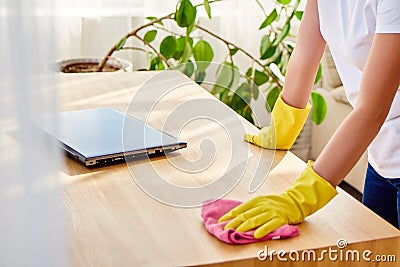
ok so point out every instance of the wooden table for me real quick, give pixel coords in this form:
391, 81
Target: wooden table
113, 222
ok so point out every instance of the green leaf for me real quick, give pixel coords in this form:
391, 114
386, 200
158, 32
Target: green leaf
203, 54
264, 46
319, 73
207, 8
319, 108
180, 43
189, 69
269, 53
272, 96
276, 58
187, 51
299, 14
180, 46
284, 2
120, 44
218, 89
241, 97
267, 49
150, 36
244, 92
234, 73
256, 92
282, 35
190, 40
185, 14
233, 51
227, 76
247, 112
154, 18
157, 64
283, 64
237, 103
269, 19
189, 28
168, 47
199, 76
258, 79
186, 68
259, 76
225, 96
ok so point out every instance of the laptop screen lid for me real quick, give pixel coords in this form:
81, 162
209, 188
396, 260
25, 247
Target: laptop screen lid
95, 136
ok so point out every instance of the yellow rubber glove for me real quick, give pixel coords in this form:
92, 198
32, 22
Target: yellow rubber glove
266, 213
286, 124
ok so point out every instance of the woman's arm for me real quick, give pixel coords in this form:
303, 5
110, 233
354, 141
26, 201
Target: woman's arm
304, 61
380, 81
310, 191
291, 110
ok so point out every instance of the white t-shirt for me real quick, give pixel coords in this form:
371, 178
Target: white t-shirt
348, 26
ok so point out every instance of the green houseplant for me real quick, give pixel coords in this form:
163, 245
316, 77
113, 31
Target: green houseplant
192, 55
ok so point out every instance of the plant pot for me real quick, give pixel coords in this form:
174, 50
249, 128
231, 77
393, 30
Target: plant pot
87, 65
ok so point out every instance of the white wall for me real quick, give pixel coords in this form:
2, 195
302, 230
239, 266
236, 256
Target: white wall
84, 31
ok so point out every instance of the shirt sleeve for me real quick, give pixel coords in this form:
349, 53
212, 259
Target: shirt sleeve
388, 16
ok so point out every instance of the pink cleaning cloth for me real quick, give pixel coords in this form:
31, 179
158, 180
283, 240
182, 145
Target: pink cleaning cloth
211, 211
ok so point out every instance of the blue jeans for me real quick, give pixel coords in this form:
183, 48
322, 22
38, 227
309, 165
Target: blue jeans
382, 196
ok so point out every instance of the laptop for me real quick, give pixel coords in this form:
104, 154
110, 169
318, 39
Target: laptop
99, 137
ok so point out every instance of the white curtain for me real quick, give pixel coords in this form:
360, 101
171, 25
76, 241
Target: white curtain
90, 28
87, 28
32, 217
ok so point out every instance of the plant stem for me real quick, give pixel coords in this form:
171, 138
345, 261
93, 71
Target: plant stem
244, 52
167, 31
296, 5
132, 33
154, 49
253, 74
262, 7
